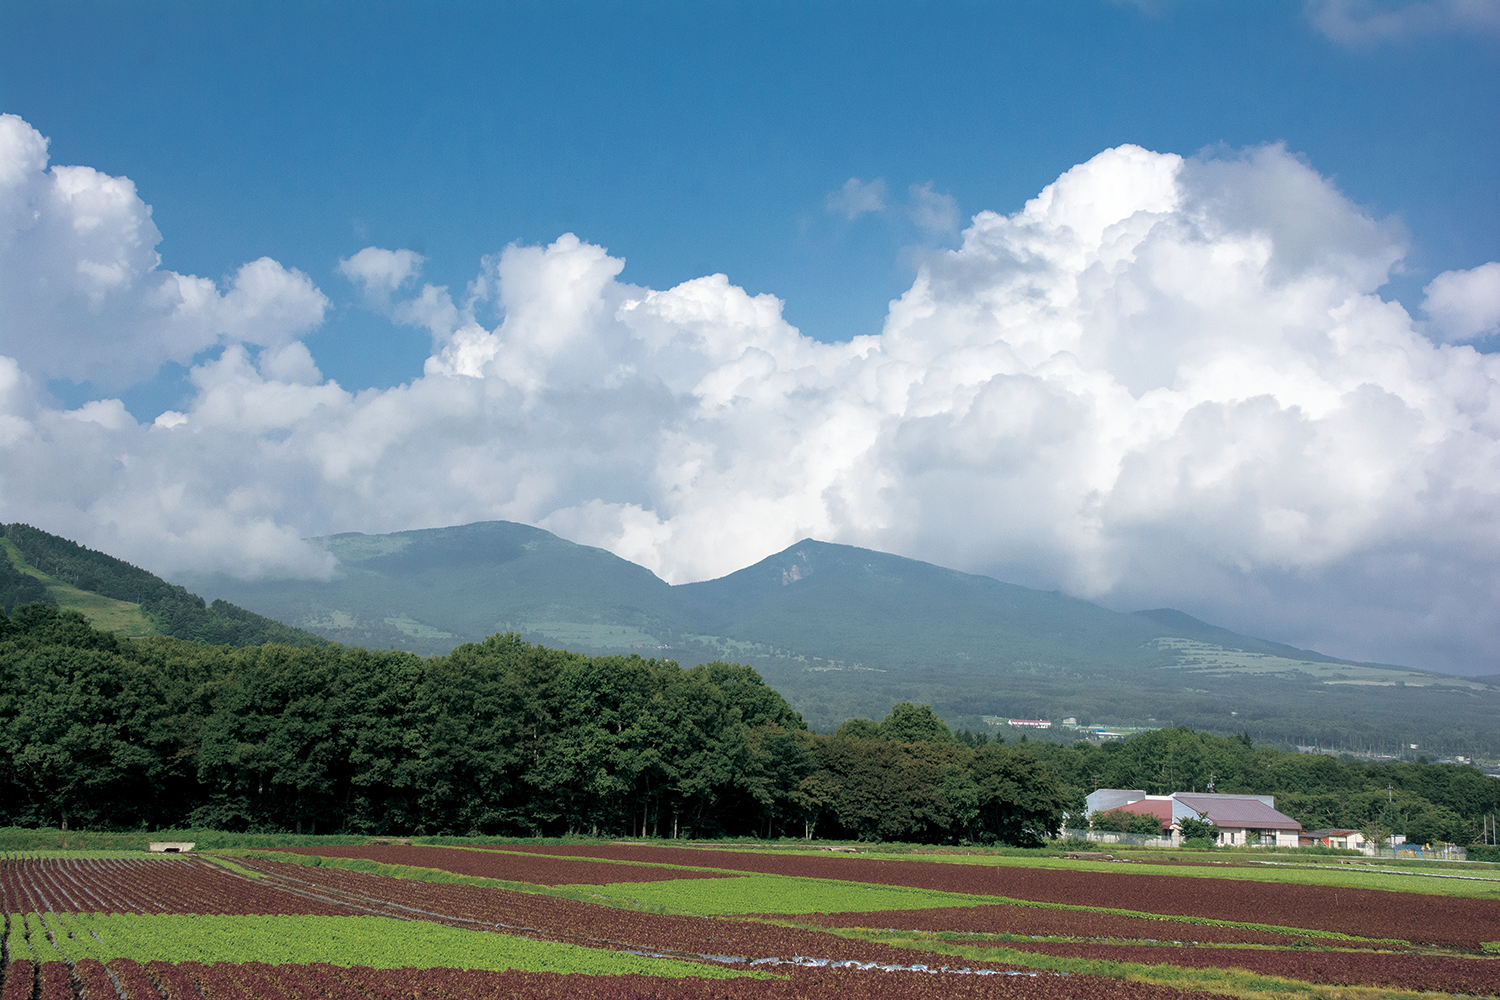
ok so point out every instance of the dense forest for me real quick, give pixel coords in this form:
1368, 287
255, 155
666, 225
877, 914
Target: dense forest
506, 737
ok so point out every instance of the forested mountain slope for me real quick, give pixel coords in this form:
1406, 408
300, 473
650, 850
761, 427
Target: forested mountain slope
38, 566
858, 606
428, 591
844, 632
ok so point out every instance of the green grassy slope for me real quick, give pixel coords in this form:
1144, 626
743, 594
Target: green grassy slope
127, 600
106, 613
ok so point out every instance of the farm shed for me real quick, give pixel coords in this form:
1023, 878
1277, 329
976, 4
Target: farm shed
1349, 839
171, 846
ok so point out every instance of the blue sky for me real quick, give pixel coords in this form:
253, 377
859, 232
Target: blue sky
1186, 304
693, 138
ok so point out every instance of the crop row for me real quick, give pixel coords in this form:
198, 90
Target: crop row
508, 867
1426, 919
1050, 921
259, 981
1442, 974
49, 981
84, 856
182, 885
380, 941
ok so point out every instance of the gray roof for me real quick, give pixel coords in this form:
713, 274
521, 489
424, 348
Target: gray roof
1238, 811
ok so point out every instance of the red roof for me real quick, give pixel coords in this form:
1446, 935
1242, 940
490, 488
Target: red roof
1160, 808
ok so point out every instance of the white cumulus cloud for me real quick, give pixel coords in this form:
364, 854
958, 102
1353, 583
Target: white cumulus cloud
1161, 382
81, 293
1465, 305
379, 272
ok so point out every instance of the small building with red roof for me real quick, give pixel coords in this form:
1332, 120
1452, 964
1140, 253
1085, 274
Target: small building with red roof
1240, 819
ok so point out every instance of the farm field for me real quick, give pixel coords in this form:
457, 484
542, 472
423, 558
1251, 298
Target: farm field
517, 867
627, 921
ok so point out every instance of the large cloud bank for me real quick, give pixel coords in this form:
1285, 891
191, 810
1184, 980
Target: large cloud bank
1164, 381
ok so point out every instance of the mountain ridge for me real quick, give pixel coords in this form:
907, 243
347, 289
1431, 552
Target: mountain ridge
844, 631
840, 631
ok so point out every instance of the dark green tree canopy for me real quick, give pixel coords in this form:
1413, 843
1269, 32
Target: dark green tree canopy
1198, 828
505, 737
910, 723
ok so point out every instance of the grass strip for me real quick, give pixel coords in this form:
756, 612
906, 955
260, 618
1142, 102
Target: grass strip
225, 863
379, 942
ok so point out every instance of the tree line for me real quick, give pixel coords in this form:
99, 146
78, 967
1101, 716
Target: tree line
498, 737
503, 737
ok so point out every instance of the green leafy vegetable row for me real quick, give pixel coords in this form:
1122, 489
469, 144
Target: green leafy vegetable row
378, 942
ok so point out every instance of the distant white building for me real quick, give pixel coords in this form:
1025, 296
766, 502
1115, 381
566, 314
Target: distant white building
1031, 723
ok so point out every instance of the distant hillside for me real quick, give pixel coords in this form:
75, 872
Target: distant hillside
124, 598
427, 591
864, 607
843, 632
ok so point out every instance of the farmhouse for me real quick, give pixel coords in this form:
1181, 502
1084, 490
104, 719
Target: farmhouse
1353, 840
1240, 819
